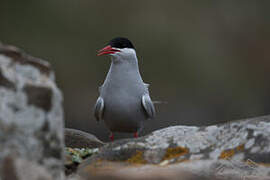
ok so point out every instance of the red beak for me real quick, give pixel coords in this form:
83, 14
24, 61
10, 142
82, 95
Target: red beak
107, 50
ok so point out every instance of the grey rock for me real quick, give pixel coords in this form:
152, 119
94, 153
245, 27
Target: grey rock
31, 114
79, 139
15, 168
75, 177
236, 148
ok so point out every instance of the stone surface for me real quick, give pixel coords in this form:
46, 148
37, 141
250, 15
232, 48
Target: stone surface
78, 139
31, 114
15, 168
74, 156
179, 171
231, 150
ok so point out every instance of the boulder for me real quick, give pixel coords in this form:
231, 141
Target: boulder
232, 150
31, 114
16, 168
79, 139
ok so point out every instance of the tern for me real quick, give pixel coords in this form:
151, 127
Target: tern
124, 102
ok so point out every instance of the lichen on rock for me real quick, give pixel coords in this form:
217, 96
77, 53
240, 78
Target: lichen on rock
137, 158
175, 152
231, 149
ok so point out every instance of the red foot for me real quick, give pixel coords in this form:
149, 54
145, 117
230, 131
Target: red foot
112, 137
136, 135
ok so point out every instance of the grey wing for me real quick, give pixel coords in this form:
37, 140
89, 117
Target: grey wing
148, 106
99, 109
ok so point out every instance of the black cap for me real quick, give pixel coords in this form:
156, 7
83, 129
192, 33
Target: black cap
121, 42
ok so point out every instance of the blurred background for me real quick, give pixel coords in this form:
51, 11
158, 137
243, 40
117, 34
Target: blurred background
208, 59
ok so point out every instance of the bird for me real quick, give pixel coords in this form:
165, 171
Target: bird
124, 102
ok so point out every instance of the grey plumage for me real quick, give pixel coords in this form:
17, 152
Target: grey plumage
124, 101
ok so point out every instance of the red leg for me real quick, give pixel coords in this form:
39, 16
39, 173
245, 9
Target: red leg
136, 135
112, 137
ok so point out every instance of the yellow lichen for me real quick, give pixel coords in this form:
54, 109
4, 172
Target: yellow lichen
227, 154
137, 158
240, 148
175, 152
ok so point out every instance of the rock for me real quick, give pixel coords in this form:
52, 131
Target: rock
76, 177
123, 172
231, 150
74, 156
179, 171
31, 114
15, 168
78, 139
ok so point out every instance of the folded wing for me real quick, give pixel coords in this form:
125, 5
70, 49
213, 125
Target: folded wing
99, 109
148, 106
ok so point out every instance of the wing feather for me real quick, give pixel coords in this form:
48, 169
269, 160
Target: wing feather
148, 106
99, 109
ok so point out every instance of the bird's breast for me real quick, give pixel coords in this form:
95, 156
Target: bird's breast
123, 113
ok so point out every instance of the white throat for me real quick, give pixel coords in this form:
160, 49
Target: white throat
126, 55
125, 65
